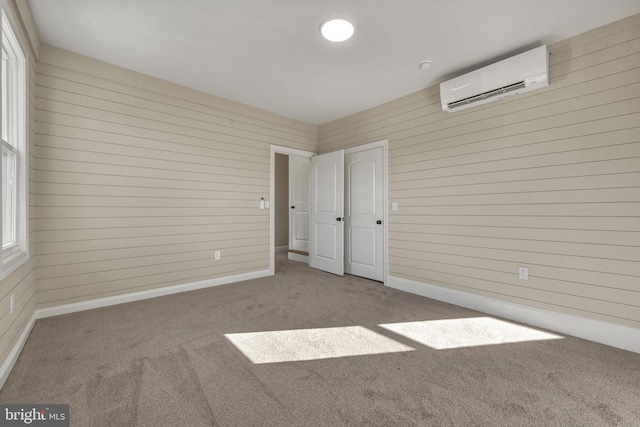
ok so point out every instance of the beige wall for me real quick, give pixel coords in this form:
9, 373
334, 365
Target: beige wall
21, 282
282, 200
142, 180
548, 180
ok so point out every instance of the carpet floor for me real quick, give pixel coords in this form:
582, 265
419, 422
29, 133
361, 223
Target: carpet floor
306, 348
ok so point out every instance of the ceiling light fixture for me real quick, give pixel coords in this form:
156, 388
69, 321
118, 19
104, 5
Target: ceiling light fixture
336, 30
425, 64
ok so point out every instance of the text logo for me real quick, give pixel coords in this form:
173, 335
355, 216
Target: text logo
34, 415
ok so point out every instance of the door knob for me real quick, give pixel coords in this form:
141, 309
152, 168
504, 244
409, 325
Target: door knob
339, 219
378, 222
293, 207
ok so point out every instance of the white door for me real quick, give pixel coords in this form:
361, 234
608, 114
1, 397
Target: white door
326, 248
364, 206
299, 203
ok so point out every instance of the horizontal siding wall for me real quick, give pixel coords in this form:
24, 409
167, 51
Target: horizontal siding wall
140, 181
21, 283
549, 180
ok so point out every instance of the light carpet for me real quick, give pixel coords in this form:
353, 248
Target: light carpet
307, 348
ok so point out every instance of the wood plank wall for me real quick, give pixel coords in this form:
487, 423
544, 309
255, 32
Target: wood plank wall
549, 180
21, 283
139, 181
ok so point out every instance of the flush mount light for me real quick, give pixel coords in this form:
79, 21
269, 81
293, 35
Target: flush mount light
336, 30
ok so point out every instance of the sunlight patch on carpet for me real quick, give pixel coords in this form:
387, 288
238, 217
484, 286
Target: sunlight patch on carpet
313, 344
468, 332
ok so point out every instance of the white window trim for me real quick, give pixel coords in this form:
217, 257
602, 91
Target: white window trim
16, 255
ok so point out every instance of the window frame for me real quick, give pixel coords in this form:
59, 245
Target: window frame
17, 253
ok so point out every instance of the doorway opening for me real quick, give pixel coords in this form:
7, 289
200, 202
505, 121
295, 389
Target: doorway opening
281, 203
348, 187
285, 235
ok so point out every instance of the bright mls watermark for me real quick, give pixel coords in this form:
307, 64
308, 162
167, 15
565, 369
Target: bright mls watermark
34, 415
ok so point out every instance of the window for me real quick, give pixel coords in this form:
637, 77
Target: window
14, 152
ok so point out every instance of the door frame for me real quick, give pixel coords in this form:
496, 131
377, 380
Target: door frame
385, 197
272, 192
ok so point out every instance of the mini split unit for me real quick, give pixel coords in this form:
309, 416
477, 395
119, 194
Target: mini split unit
518, 74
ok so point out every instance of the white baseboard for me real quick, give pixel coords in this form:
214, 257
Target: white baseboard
297, 257
152, 293
12, 357
281, 248
620, 336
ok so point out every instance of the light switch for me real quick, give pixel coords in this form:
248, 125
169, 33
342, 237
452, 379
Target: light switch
261, 203
394, 206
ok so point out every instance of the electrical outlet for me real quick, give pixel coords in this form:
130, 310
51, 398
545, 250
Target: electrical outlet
267, 205
216, 255
394, 206
523, 273
12, 303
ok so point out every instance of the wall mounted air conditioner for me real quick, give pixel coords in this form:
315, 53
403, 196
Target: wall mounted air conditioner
518, 74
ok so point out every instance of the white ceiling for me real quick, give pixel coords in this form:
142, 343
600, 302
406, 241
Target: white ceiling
269, 53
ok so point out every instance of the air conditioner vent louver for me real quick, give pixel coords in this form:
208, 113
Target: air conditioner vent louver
485, 95
530, 71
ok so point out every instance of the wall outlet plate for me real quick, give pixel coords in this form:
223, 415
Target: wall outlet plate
523, 273
216, 255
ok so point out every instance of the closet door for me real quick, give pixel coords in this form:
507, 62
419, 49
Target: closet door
364, 214
326, 251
